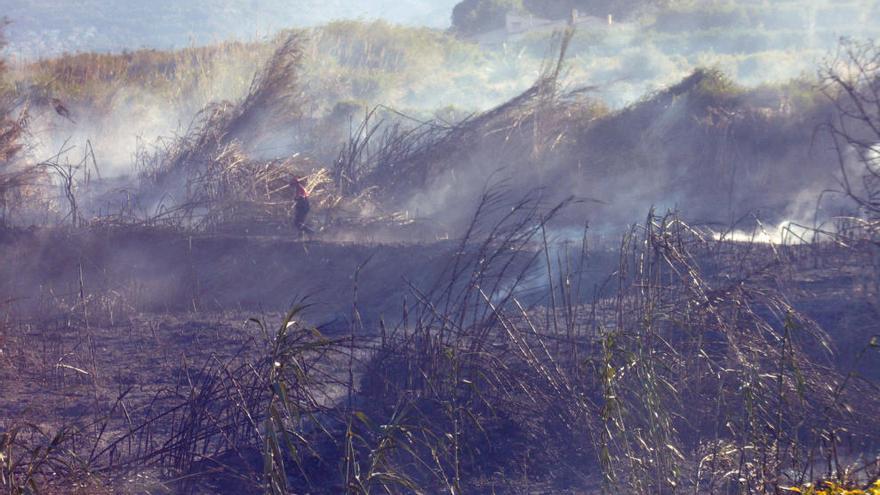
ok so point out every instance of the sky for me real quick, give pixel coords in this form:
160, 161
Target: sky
49, 27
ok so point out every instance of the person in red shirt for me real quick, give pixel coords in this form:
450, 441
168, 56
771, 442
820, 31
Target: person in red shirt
301, 205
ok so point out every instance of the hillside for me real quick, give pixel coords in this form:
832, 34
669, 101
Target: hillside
50, 27
719, 124
352, 66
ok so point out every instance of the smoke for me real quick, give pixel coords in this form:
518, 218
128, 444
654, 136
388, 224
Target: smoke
784, 233
670, 157
753, 43
133, 116
712, 150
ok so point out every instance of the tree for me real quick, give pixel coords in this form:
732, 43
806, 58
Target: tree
477, 16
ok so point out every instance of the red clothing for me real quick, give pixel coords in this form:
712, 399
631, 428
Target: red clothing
300, 190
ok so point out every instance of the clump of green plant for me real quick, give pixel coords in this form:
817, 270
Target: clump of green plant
831, 488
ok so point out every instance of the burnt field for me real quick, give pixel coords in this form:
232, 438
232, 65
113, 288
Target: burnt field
449, 361
147, 270
548, 296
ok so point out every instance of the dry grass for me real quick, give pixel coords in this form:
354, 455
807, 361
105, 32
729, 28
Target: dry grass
689, 370
203, 180
676, 380
93, 80
14, 176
